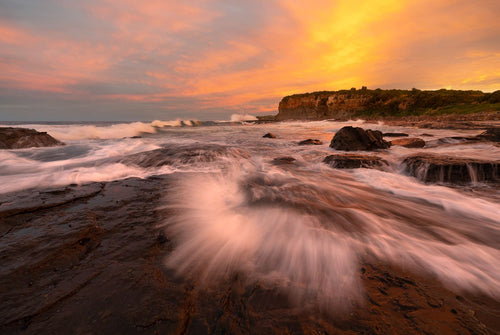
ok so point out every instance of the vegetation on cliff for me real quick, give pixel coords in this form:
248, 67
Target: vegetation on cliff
385, 103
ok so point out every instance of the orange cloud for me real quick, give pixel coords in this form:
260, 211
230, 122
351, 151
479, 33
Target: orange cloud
246, 54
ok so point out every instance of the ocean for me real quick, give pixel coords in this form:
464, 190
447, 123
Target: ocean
272, 209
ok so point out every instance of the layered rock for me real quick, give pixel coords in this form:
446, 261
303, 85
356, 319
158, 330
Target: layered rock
18, 138
447, 169
409, 142
356, 138
345, 104
354, 161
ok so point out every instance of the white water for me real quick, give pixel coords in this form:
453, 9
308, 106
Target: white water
303, 227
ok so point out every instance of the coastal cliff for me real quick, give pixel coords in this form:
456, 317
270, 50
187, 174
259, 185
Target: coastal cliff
363, 102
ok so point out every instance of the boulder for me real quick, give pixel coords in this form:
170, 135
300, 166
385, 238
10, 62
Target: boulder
283, 160
269, 135
310, 141
18, 138
413, 142
395, 135
354, 161
352, 139
447, 169
491, 134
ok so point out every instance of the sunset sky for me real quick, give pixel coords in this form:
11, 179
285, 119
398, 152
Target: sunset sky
208, 59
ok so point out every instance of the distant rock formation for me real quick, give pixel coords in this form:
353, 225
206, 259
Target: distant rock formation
353, 139
345, 104
18, 138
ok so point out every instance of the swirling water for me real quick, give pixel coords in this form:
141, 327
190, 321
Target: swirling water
303, 226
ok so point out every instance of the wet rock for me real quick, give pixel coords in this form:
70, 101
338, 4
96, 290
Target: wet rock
409, 142
283, 160
113, 276
491, 134
186, 154
18, 138
447, 169
352, 139
353, 161
269, 135
395, 135
310, 141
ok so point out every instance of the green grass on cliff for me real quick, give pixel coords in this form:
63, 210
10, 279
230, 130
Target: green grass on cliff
397, 103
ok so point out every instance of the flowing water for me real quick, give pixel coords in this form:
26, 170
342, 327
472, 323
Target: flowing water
297, 224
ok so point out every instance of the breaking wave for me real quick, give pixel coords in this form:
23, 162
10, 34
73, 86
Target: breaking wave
307, 233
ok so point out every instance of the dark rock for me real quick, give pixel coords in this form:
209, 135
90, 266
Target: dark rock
136, 136
283, 160
434, 168
491, 134
353, 161
182, 154
269, 135
161, 238
425, 134
310, 141
352, 139
409, 142
395, 135
18, 138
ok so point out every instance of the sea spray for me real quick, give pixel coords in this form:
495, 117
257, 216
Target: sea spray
306, 232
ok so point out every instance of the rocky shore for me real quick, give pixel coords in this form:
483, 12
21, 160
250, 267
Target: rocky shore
89, 259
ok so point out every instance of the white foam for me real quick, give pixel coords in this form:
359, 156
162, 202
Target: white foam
242, 117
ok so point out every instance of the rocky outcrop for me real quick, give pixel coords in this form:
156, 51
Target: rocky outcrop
283, 160
409, 142
310, 141
18, 138
354, 161
491, 134
395, 135
345, 104
102, 258
447, 169
353, 139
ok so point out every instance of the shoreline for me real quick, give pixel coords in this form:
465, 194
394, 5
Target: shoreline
105, 272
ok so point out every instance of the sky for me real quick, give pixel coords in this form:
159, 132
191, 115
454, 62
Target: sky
125, 60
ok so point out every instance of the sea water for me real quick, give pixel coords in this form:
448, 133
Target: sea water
304, 227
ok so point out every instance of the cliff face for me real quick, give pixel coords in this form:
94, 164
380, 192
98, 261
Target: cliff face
321, 105
348, 103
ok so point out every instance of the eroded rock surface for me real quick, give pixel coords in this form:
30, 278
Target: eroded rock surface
96, 265
447, 169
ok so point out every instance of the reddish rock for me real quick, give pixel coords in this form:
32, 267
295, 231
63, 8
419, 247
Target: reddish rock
269, 135
409, 142
354, 161
447, 169
310, 141
353, 139
18, 138
395, 135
